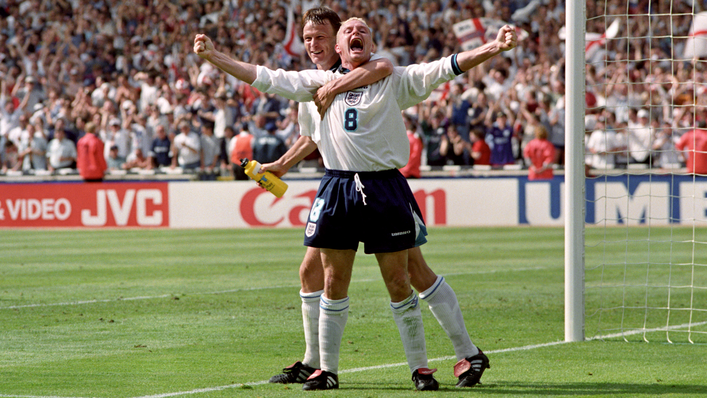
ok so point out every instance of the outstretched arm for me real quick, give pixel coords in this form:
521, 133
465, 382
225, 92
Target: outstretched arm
505, 41
204, 48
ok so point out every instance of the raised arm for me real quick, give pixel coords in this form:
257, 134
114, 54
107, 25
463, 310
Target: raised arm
505, 41
364, 75
204, 48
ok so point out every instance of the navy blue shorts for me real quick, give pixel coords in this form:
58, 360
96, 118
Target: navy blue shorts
376, 208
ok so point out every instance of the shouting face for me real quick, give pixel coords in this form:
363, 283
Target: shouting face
354, 43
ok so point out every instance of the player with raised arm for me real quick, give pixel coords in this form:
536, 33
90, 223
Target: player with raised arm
363, 197
319, 36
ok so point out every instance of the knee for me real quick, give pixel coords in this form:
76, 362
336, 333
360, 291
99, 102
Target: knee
309, 270
398, 285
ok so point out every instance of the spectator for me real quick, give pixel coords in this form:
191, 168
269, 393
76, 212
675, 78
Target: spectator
666, 155
480, 150
556, 119
33, 150
694, 142
137, 160
60, 125
459, 109
61, 152
10, 157
270, 147
222, 115
224, 155
432, 123
114, 161
187, 148
500, 132
160, 155
19, 133
118, 136
478, 111
540, 154
640, 139
602, 145
108, 55
89, 159
209, 149
241, 147
32, 91
453, 147
412, 168
10, 116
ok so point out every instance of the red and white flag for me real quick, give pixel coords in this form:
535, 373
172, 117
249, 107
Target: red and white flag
292, 43
477, 31
696, 43
596, 41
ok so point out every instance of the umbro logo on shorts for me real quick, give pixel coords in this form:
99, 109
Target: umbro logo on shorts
311, 229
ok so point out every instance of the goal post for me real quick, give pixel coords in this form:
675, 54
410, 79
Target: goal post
636, 222
574, 171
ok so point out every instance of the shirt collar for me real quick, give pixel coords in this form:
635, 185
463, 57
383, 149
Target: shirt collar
342, 70
336, 66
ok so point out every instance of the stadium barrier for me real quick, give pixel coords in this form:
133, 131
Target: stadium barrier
445, 201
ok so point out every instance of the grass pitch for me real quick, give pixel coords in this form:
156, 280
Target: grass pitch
215, 313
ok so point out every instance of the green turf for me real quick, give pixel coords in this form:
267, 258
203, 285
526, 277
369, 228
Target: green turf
214, 313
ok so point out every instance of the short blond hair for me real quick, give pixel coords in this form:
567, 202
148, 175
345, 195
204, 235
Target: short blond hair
540, 132
354, 19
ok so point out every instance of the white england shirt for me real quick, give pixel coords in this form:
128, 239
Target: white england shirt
363, 130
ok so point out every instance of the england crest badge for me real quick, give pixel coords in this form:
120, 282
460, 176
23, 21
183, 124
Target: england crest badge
353, 98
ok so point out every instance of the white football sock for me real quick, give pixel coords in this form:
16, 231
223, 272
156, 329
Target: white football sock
408, 317
310, 321
332, 321
445, 307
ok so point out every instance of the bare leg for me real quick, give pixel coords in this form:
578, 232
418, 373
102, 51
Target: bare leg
421, 276
311, 271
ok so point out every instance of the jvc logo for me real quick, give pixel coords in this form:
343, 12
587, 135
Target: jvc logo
121, 210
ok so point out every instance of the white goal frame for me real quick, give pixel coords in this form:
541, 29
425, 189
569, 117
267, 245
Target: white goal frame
575, 22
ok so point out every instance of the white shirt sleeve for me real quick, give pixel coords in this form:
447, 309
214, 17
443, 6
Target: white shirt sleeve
297, 86
305, 120
416, 82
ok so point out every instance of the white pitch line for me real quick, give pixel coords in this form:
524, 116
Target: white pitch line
68, 303
384, 366
394, 365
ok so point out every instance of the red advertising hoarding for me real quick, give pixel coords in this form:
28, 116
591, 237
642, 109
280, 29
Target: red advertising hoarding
84, 205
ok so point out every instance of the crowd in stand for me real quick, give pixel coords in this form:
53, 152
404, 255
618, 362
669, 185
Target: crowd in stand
128, 68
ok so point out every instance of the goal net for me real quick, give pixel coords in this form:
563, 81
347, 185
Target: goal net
645, 239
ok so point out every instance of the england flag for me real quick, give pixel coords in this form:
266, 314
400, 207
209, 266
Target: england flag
477, 31
696, 43
292, 43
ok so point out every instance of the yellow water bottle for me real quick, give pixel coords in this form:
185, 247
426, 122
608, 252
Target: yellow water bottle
266, 179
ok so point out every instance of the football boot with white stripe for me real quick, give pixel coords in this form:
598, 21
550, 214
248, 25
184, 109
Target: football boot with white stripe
321, 380
295, 373
469, 370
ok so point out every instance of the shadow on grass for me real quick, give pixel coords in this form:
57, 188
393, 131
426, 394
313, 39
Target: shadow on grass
546, 389
591, 389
